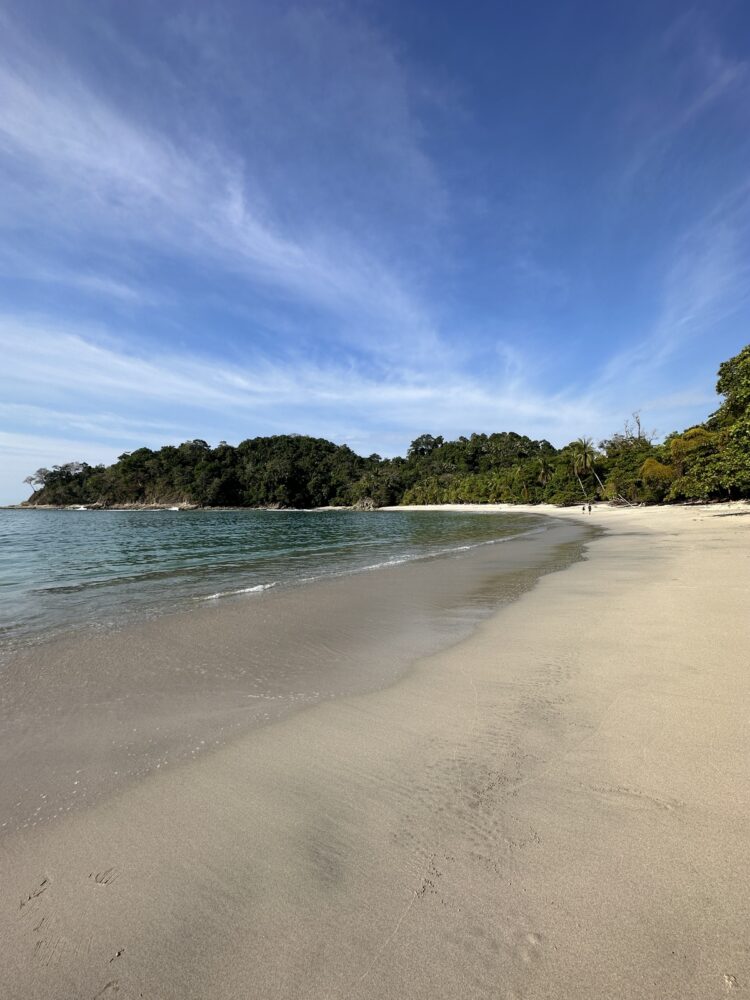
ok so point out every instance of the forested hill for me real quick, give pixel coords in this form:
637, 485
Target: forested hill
708, 461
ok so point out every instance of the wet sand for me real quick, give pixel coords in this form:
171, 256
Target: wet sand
556, 806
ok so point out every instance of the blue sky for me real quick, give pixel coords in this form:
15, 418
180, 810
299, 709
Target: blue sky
365, 221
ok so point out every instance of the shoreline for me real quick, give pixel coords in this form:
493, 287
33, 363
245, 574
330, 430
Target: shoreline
506, 507
558, 805
114, 574
84, 713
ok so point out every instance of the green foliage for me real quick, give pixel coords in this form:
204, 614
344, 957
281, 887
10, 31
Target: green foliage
286, 470
706, 462
562, 488
656, 473
712, 461
734, 385
625, 457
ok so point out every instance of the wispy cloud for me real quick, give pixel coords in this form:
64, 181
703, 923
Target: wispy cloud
96, 424
57, 364
104, 173
686, 74
103, 285
51, 358
706, 282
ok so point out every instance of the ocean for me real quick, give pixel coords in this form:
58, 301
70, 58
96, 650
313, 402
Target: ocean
66, 570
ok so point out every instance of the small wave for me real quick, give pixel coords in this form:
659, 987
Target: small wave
420, 556
232, 593
388, 562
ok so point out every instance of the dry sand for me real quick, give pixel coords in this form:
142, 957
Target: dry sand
559, 806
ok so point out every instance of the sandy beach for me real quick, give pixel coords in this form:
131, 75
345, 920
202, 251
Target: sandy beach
558, 806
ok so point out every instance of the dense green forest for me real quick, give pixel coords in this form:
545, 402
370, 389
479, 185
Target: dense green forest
706, 462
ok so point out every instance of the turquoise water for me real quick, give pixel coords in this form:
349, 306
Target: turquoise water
62, 570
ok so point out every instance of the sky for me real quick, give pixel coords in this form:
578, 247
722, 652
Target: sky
365, 220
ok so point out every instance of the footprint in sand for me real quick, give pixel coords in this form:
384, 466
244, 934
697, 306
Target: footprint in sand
48, 950
530, 947
106, 877
108, 990
36, 893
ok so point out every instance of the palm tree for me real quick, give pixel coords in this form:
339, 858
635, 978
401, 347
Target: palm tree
545, 469
517, 473
496, 483
584, 457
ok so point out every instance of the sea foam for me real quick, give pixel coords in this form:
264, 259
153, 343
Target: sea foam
241, 590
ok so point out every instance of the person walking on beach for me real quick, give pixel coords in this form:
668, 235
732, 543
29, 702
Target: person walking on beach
589, 508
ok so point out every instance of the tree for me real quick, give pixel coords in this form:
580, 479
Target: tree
425, 444
734, 384
545, 468
657, 474
582, 456
38, 479
624, 456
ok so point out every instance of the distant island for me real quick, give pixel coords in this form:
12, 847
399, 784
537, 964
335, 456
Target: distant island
710, 461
